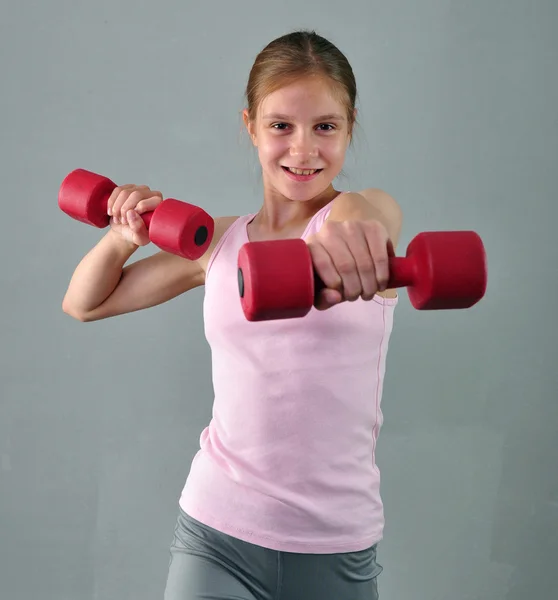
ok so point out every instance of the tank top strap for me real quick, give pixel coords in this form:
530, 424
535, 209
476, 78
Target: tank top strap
319, 218
236, 232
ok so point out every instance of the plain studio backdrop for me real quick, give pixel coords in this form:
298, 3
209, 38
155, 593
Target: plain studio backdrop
99, 421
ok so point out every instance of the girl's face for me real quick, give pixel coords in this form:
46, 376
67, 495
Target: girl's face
302, 134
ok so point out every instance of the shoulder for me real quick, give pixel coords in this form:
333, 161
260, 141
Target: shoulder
222, 224
368, 204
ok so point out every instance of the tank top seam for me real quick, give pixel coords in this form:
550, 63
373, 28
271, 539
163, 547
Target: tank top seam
378, 394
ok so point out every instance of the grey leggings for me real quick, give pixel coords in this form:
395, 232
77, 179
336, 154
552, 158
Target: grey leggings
206, 564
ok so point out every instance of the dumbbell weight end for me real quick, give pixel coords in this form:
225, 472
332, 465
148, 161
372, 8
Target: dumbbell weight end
84, 195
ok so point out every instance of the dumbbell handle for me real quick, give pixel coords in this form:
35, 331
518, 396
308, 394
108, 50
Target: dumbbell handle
402, 273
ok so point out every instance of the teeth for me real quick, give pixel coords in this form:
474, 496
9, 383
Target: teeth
302, 172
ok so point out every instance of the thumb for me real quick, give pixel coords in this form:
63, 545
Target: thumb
139, 230
326, 298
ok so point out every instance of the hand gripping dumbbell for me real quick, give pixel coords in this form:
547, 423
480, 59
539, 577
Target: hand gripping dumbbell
442, 270
174, 226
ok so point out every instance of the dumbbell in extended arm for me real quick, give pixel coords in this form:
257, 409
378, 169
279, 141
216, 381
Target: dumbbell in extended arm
442, 270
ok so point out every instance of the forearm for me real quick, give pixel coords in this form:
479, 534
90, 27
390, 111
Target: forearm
97, 275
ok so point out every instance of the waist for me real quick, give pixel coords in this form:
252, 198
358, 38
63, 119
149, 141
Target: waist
258, 420
318, 516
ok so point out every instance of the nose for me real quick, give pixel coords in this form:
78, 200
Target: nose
303, 147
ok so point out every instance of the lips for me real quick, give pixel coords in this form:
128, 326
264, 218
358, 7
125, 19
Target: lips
301, 171
311, 175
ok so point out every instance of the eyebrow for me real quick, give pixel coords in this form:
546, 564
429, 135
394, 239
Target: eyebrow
330, 117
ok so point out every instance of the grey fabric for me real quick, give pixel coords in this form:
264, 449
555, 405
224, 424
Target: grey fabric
206, 564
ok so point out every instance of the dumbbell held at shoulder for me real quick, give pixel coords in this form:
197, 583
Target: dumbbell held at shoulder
285, 278
136, 212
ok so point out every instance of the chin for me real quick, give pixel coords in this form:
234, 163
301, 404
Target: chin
303, 191
302, 195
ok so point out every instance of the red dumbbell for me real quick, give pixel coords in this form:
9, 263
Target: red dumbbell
174, 226
442, 270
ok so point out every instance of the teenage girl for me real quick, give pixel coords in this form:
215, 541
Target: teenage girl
282, 501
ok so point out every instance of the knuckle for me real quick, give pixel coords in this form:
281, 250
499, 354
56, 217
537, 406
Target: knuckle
375, 226
366, 265
345, 267
328, 229
133, 198
122, 196
382, 261
384, 281
353, 292
137, 224
321, 264
351, 227
150, 201
382, 278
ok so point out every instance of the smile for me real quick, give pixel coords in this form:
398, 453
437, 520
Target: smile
301, 174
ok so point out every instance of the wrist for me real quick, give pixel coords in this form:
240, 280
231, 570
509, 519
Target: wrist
122, 244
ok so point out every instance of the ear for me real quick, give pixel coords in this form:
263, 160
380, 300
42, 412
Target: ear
249, 126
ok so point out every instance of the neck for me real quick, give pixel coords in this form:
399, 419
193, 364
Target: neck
279, 214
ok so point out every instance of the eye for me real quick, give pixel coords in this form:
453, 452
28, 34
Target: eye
283, 126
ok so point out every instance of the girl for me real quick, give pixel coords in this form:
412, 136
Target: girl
282, 500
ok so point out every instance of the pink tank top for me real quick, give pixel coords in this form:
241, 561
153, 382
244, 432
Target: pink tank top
288, 459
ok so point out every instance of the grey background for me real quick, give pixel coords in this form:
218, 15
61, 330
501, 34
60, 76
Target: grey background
99, 422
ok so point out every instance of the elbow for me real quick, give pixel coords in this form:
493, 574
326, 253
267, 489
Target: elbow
75, 314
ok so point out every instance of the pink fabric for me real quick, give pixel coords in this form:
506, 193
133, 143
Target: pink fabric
288, 459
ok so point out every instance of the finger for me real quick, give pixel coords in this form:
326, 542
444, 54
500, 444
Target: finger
137, 226
327, 298
133, 200
118, 203
130, 203
136, 223
150, 203
364, 262
377, 239
114, 195
344, 262
324, 267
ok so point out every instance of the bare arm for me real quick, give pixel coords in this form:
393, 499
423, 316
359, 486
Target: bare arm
371, 203
103, 287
